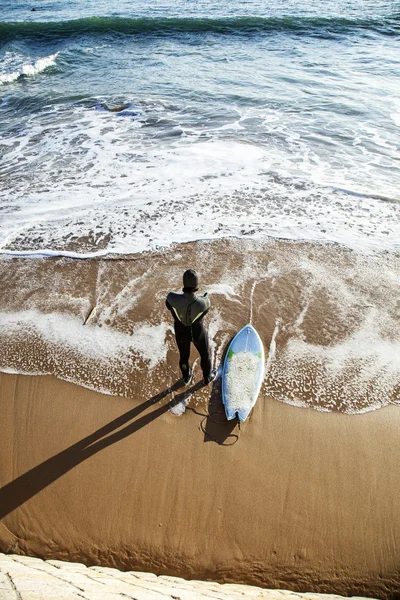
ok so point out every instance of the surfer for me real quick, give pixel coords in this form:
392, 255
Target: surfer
188, 311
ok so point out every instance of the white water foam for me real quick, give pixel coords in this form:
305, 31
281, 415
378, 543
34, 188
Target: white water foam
116, 306
375, 360
97, 343
132, 192
272, 349
179, 409
353, 312
224, 289
26, 69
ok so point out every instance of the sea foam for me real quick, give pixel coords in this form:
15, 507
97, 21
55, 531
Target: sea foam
98, 357
29, 69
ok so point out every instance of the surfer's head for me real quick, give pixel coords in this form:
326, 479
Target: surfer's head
190, 281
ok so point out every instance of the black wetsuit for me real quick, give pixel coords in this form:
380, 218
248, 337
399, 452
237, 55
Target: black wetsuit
188, 311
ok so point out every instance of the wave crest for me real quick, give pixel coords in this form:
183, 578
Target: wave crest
315, 26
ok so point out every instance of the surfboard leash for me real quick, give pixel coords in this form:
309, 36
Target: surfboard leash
208, 415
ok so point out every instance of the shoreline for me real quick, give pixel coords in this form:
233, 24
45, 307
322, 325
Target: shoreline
123, 253
116, 482
328, 318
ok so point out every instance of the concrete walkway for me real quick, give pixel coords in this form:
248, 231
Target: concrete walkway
28, 578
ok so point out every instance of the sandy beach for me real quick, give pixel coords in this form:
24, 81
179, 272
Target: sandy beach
258, 144
303, 500
302, 497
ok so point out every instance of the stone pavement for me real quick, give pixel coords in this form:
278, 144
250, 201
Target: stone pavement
28, 578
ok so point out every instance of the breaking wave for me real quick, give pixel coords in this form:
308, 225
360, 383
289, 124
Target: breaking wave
29, 69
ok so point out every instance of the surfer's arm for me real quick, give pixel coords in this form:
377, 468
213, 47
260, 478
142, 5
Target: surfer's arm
207, 304
167, 304
171, 309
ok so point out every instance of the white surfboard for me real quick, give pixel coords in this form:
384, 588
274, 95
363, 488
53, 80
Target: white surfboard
242, 373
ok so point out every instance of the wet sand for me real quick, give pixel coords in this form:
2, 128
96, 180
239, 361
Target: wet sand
329, 318
298, 499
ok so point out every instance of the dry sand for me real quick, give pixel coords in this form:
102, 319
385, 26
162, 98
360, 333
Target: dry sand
303, 500
298, 499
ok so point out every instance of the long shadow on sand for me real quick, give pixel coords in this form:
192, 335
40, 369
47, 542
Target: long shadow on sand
24, 487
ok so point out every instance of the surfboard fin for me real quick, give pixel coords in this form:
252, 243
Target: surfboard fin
237, 419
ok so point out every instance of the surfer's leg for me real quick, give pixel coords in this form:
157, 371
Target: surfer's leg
200, 340
184, 351
183, 343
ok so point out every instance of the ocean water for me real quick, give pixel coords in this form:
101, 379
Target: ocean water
130, 127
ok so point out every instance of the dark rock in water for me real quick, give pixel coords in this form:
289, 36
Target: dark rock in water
123, 110
119, 108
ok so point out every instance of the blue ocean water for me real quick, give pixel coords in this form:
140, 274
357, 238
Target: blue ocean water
131, 127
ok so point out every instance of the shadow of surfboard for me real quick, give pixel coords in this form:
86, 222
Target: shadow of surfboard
216, 427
